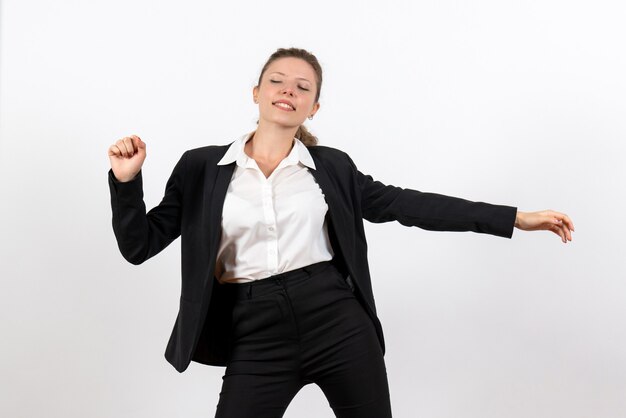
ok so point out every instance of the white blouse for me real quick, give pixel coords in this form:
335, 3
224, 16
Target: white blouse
271, 225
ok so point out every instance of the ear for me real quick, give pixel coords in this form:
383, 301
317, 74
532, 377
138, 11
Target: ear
255, 92
316, 107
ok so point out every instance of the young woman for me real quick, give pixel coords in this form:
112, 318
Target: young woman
275, 279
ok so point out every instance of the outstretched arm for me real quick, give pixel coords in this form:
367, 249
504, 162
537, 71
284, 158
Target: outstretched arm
383, 203
432, 211
547, 220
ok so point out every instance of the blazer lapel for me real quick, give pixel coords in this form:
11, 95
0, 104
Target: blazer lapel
340, 218
214, 201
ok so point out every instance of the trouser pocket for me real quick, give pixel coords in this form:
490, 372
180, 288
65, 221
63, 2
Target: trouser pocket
255, 316
345, 281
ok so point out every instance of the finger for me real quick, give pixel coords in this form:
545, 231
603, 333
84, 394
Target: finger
114, 151
563, 231
566, 231
128, 141
143, 144
556, 222
122, 147
138, 143
563, 217
568, 221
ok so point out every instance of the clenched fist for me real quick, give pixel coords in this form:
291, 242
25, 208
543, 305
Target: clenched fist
127, 156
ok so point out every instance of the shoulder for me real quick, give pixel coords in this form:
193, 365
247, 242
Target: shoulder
333, 159
208, 153
330, 155
196, 160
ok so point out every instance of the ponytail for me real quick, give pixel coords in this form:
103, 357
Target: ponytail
306, 137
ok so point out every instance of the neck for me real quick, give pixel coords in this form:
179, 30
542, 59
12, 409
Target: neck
270, 143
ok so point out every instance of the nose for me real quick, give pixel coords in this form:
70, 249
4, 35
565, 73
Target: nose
288, 89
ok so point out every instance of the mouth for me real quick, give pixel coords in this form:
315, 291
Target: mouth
284, 106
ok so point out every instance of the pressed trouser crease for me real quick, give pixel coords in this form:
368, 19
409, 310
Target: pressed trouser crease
296, 328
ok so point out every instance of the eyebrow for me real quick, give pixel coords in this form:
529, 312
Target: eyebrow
278, 72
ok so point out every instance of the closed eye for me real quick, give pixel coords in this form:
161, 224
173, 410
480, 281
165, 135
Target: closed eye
275, 81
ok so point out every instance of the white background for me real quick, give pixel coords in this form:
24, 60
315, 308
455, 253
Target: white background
508, 102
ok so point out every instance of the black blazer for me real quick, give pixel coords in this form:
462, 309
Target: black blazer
192, 208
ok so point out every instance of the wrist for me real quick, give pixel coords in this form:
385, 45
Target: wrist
518, 219
124, 179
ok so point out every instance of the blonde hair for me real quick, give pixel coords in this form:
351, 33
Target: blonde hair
302, 133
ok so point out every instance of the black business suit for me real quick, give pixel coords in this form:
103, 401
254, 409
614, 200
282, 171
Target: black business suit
192, 208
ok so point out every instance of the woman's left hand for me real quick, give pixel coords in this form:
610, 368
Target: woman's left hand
548, 220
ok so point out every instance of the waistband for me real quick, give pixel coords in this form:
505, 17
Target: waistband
261, 286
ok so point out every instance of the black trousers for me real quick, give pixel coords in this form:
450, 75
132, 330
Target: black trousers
296, 328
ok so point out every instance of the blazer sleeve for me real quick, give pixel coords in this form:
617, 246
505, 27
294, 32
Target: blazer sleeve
431, 211
141, 235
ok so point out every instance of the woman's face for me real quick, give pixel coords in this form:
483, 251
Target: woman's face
288, 79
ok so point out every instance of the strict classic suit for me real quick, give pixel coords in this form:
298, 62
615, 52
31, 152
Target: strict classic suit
192, 208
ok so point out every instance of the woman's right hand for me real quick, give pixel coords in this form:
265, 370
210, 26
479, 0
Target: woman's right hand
127, 156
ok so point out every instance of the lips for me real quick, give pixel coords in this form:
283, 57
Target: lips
289, 106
